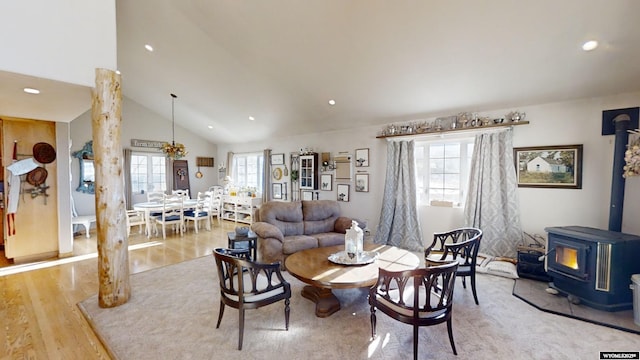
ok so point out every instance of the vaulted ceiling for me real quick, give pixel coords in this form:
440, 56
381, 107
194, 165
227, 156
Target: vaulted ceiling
281, 61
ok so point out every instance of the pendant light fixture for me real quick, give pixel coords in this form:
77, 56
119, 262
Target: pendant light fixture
173, 151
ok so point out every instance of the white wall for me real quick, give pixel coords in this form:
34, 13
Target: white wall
576, 122
566, 123
65, 234
58, 39
139, 122
363, 205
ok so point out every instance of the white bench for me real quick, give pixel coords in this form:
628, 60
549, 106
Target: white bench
84, 220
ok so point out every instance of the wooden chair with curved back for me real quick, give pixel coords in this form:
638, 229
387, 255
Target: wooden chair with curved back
461, 245
245, 284
419, 297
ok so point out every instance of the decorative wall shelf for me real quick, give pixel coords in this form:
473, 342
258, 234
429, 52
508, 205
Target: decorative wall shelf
469, 128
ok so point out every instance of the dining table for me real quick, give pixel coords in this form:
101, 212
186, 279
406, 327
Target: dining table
149, 207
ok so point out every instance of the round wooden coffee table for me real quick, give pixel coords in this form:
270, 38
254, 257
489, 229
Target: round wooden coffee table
313, 267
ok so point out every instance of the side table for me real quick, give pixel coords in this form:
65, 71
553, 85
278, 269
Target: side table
236, 241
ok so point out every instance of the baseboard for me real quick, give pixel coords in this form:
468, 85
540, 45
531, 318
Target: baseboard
36, 257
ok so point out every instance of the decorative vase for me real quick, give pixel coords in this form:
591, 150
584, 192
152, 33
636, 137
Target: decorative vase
354, 242
242, 230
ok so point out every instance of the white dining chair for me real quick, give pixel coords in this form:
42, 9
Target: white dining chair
172, 214
135, 218
182, 192
200, 212
215, 207
155, 196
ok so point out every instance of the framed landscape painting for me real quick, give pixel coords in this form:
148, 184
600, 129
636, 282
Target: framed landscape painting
549, 166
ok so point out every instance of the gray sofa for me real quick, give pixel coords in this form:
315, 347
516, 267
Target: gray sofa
284, 228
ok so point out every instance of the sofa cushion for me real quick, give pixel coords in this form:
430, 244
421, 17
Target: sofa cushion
286, 216
295, 243
329, 239
319, 216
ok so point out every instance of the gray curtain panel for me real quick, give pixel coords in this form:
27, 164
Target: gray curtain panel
169, 174
492, 200
399, 225
266, 176
126, 164
229, 163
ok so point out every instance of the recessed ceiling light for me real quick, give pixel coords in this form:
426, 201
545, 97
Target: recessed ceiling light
210, 126
148, 47
31, 91
332, 102
251, 118
589, 45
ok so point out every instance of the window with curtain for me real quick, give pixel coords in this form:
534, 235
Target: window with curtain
442, 170
148, 172
247, 170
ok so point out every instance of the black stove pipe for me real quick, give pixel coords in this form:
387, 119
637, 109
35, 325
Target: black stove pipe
621, 123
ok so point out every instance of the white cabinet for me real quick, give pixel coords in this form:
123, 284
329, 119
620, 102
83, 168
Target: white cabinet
308, 172
240, 208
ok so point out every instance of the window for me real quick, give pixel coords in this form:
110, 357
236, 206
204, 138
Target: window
247, 170
442, 170
148, 173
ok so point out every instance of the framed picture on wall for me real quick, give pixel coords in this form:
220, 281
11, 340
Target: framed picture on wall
362, 182
276, 191
307, 195
343, 192
549, 166
362, 157
326, 182
277, 159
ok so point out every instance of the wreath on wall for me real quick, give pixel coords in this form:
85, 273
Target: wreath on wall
182, 173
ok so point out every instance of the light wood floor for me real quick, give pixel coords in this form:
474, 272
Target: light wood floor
40, 319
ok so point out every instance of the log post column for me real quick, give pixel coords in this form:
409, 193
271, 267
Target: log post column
113, 257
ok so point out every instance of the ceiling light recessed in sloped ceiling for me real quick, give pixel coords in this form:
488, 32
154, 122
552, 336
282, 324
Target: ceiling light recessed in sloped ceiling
332, 102
251, 118
149, 47
210, 126
590, 45
31, 91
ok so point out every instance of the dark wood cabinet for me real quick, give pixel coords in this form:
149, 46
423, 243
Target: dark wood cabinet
181, 175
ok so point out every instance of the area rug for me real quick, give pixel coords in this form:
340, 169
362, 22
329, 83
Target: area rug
173, 310
534, 293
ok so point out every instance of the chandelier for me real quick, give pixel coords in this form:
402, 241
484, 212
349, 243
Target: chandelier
173, 151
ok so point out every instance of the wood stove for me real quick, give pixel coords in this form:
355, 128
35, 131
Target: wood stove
593, 265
